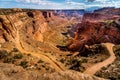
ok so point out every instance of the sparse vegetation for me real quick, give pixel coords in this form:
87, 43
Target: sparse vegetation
93, 50
40, 61
24, 64
18, 56
112, 71
3, 54
116, 50
62, 60
15, 50
9, 60
26, 61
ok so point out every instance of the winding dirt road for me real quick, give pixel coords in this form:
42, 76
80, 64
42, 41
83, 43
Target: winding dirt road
54, 63
92, 70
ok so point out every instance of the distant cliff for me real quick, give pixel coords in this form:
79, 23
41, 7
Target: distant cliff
102, 14
97, 27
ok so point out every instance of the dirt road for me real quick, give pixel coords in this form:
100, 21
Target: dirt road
43, 57
92, 70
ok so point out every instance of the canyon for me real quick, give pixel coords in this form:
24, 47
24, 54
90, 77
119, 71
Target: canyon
45, 44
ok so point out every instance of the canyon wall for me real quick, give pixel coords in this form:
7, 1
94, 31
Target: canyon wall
97, 28
102, 15
34, 21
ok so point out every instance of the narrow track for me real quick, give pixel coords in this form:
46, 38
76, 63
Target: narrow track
93, 69
43, 57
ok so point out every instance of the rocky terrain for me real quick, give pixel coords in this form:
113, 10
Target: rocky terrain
96, 28
12, 72
56, 45
113, 70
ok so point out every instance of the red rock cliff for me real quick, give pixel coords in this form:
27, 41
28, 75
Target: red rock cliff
90, 33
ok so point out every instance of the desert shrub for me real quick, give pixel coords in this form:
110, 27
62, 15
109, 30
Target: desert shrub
8, 60
72, 61
104, 68
18, 56
97, 48
40, 61
84, 60
116, 50
30, 14
24, 64
3, 54
76, 63
78, 66
28, 54
15, 50
99, 74
62, 60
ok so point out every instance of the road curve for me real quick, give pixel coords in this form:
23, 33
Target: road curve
43, 57
93, 69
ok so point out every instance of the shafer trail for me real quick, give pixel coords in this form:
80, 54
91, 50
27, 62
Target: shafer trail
92, 70
45, 58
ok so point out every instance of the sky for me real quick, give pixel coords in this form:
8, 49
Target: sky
59, 4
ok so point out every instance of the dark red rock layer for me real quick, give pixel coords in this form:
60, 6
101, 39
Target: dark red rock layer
98, 27
90, 33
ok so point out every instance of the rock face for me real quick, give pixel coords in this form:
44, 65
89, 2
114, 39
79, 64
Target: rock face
31, 26
12, 72
90, 33
97, 27
33, 22
109, 10
102, 14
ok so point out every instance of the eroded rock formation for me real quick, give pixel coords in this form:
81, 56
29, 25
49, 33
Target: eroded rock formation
97, 27
90, 33
34, 21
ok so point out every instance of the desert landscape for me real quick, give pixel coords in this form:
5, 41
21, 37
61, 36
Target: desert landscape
60, 44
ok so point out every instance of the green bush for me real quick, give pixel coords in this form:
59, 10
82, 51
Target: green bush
40, 61
62, 60
8, 60
72, 61
116, 50
18, 56
84, 60
15, 50
3, 54
24, 64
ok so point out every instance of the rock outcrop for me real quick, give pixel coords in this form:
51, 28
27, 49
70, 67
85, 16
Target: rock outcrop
34, 21
90, 33
33, 27
97, 27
